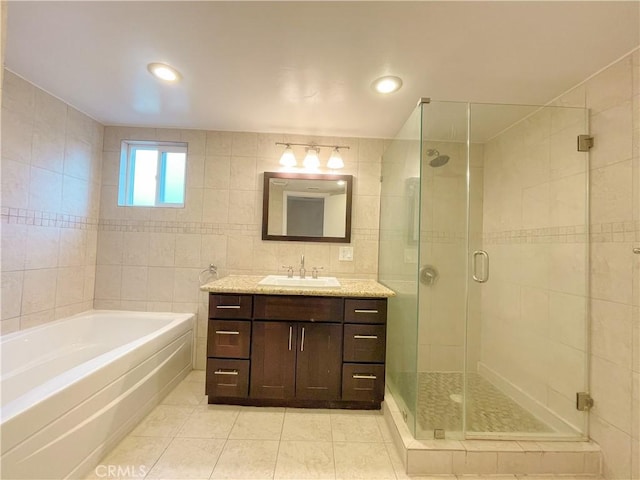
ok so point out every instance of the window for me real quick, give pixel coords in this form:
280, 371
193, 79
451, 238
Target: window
152, 174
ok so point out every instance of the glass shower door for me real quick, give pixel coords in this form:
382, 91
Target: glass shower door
442, 271
526, 354
397, 261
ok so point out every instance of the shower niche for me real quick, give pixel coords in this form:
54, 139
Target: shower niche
493, 199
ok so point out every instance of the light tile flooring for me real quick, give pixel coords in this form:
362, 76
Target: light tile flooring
185, 438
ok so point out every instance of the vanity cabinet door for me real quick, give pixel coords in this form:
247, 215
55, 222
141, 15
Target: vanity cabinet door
273, 360
319, 362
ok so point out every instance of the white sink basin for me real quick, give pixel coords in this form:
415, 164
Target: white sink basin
297, 282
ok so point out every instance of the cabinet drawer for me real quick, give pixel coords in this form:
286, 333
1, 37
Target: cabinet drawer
227, 378
229, 338
363, 382
230, 306
364, 343
300, 308
365, 310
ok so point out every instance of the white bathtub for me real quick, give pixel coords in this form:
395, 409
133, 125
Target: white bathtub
72, 388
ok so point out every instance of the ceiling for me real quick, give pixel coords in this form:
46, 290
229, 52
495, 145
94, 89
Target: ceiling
307, 67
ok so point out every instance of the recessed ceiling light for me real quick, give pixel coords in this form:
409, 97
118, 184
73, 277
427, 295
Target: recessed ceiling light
164, 72
388, 84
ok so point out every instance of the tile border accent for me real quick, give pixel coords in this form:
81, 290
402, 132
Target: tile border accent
25, 216
202, 228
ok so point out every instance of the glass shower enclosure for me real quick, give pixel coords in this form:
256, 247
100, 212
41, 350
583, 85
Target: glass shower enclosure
483, 237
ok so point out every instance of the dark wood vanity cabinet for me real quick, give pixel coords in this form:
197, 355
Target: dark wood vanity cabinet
292, 350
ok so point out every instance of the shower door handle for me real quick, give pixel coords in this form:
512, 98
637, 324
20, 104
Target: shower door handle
485, 267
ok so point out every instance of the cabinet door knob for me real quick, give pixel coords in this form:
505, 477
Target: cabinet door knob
290, 336
365, 336
302, 341
223, 307
227, 332
226, 372
364, 376
357, 310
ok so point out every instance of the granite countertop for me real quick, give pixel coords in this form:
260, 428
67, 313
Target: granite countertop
249, 284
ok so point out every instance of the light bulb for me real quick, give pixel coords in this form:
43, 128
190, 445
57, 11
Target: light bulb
335, 161
388, 84
288, 159
311, 161
164, 72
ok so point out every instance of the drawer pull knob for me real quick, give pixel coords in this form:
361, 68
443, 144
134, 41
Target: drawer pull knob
365, 311
227, 332
364, 376
373, 337
226, 372
227, 307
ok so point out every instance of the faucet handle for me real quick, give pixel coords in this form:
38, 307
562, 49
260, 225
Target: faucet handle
289, 270
314, 271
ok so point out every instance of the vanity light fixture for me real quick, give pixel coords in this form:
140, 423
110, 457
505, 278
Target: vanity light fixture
164, 72
335, 160
288, 158
387, 84
312, 158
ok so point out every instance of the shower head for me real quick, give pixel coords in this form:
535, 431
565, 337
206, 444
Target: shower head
439, 160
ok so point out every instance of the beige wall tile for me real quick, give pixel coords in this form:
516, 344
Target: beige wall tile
73, 248
611, 332
15, 176
611, 196
161, 249
217, 172
11, 294
187, 252
185, 285
611, 87
42, 247
611, 272
215, 206
110, 248
70, 286
160, 284
45, 190
108, 282
611, 129
241, 207
38, 290
616, 448
17, 136
611, 390
218, 143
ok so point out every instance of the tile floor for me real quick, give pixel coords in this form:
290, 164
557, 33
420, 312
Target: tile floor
185, 438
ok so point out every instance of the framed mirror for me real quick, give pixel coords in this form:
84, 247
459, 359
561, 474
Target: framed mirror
307, 207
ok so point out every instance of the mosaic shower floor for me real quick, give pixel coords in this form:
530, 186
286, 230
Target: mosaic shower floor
488, 409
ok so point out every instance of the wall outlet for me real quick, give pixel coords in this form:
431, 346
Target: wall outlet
346, 254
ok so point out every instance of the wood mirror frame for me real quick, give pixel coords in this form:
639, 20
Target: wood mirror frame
268, 176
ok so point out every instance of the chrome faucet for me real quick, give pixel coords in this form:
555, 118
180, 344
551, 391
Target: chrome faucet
302, 270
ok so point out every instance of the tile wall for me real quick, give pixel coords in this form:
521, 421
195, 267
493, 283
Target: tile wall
549, 305
613, 96
151, 258
51, 168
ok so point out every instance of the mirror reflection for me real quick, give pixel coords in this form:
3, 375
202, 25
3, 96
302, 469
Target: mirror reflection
307, 207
